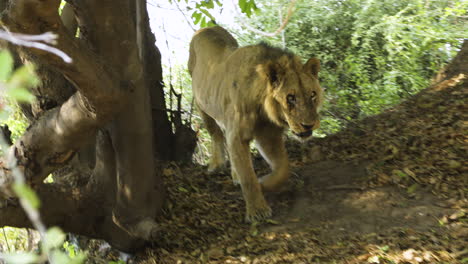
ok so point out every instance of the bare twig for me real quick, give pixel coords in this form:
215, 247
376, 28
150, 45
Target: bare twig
35, 41
176, 116
283, 24
191, 111
183, 14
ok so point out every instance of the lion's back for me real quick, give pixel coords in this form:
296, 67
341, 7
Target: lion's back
210, 45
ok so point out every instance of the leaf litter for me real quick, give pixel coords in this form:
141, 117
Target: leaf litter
392, 188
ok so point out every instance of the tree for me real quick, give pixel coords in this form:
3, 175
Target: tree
100, 119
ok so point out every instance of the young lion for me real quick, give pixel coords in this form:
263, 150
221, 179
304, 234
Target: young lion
247, 93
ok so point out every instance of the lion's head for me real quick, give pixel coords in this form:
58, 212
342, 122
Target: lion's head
294, 95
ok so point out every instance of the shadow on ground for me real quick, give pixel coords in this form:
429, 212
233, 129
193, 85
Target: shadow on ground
334, 200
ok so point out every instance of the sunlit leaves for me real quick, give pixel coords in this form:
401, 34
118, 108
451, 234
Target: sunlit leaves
202, 16
374, 53
20, 258
6, 65
247, 6
20, 81
15, 84
54, 238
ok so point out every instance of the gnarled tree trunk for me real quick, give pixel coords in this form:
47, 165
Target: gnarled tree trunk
100, 119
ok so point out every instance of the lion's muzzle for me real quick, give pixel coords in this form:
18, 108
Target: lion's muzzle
304, 134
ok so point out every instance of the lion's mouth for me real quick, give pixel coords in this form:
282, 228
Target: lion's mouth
304, 134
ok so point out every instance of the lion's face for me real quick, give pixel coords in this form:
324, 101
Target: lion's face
296, 95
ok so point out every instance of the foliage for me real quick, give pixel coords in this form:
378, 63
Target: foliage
13, 239
201, 10
15, 84
373, 53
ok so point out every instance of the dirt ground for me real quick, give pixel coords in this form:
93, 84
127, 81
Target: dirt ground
326, 214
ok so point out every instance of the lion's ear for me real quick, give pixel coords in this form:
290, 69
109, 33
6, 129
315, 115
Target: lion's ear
312, 66
272, 71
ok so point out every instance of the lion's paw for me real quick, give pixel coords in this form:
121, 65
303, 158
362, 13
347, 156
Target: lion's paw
258, 214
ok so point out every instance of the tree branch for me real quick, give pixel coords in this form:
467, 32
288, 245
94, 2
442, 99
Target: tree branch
98, 84
54, 138
90, 211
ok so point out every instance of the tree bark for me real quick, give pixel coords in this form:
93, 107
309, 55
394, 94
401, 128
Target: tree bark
105, 105
83, 212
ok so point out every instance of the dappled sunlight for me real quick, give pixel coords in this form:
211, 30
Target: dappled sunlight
14, 239
369, 201
454, 81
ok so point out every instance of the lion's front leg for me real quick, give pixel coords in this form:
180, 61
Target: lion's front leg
239, 152
270, 143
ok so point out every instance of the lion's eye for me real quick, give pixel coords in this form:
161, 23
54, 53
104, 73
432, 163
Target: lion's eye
291, 99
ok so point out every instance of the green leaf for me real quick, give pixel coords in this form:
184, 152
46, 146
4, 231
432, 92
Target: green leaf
242, 5
273, 222
23, 78
23, 191
70, 248
400, 174
203, 22
117, 262
206, 13
211, 24
58, 256
6, 65
80, 258
182, 189
412, 188
54, 238
20, 258
385, 248
197, 17
76, 256
20, 94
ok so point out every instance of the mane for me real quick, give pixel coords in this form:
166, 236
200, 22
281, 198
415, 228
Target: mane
273, 53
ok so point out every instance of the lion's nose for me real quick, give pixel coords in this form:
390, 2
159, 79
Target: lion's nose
307, 127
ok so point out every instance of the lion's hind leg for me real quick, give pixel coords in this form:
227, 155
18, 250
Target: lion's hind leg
218, 154
270, 143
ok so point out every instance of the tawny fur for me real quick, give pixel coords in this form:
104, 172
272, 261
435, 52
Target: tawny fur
252, 93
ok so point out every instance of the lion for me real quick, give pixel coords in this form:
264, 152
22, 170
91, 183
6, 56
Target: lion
252, 93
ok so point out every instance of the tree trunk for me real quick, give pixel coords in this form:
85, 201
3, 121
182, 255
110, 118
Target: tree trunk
100, 119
